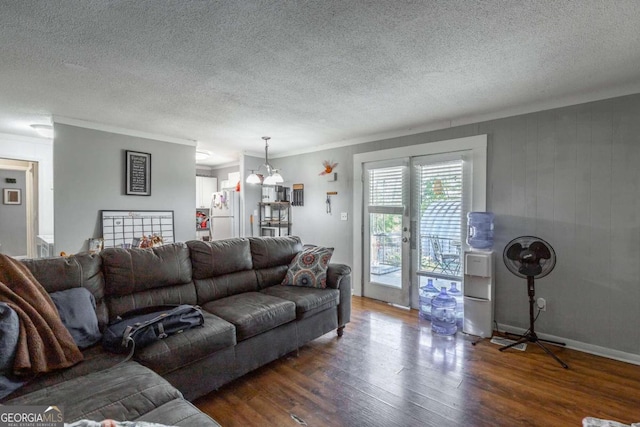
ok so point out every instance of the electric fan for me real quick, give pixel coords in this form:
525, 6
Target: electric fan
531, 257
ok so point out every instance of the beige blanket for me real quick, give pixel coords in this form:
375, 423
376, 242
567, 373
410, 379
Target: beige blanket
44, 343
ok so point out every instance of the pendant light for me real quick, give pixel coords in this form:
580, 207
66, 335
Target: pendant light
273, 176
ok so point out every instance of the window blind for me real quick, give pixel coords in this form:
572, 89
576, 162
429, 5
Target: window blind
385, 186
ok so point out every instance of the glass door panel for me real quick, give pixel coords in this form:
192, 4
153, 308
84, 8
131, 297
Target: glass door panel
386, 231
438, 206
385, 266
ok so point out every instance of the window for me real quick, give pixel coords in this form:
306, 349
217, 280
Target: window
439, 188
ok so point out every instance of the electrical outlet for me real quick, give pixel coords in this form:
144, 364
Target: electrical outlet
542, 304
344, 216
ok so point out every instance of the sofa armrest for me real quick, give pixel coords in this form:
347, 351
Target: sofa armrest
339, 277
336, 273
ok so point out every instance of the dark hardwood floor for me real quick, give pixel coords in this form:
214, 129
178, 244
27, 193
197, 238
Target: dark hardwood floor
389, 370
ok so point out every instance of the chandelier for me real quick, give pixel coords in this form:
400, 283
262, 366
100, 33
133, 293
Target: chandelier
273, 177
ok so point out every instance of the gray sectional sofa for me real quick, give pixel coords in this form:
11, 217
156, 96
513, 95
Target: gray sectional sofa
250, 320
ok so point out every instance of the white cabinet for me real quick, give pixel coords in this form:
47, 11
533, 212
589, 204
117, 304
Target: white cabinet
45, 246
205, 186
479, 293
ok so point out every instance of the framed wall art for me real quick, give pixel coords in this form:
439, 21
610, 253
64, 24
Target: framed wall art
138, 173
12, 196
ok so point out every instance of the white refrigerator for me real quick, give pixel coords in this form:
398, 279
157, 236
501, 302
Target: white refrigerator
224, 220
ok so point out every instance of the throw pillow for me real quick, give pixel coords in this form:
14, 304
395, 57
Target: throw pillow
77, 309
9, 331
309, 268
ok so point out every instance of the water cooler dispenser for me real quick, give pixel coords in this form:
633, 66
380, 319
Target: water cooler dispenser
479, 293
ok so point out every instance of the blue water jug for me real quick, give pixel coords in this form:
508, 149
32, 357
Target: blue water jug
480, 234
457, 294
426, 294
443, 314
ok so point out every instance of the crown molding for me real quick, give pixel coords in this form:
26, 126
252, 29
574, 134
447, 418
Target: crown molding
122, 131
577, 99
22, 138
367, 138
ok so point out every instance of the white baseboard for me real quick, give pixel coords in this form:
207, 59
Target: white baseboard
580, 346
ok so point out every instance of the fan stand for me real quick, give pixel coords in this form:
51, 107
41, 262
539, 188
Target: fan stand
530, 335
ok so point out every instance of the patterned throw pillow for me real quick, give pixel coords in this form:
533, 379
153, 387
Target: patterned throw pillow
309, 268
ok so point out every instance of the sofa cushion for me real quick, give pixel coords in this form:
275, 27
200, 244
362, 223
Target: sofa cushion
226, 285
137, 278
77, 309
272, 275
222, 268
186, 347
81, 270
210, 259
124, 392
95, 359
252, 312
309, 268
308, 301
133, 270
269, 252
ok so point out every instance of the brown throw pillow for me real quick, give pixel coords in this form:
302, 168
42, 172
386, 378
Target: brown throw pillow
309, 268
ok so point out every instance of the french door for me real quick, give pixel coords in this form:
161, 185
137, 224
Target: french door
386, 251
412, 224
391, 217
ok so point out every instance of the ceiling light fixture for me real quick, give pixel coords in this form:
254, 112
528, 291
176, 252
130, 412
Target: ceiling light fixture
202, 154
273, 177
45, 131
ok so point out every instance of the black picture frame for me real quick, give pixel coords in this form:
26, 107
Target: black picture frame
137, 173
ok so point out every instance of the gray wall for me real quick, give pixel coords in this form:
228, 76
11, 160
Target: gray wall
13, 218
223, 173
250, 194
568, 175
89, 177
312, 222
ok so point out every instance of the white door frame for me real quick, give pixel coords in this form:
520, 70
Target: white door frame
30, 198
476, 144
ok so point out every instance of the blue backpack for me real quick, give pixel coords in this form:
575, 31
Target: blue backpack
141, 327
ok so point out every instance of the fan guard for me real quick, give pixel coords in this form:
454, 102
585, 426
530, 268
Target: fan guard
529, 256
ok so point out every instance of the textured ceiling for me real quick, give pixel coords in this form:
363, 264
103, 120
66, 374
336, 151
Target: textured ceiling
307, 73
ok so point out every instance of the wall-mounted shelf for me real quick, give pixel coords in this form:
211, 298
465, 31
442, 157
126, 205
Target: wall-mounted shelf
297, 195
